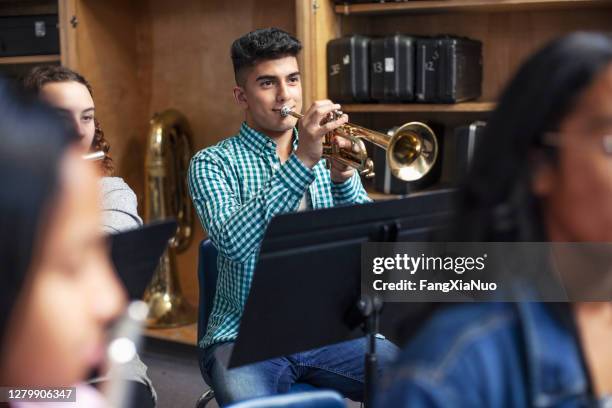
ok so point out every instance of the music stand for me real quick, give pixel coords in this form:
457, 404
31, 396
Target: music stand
136, 253
308, 277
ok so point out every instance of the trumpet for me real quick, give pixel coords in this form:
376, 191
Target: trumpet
412, 149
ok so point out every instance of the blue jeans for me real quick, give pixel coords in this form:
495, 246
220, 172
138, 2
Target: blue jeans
339, 367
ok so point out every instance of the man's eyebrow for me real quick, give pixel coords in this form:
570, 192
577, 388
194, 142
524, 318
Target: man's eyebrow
69, 112
265, 77
274, 78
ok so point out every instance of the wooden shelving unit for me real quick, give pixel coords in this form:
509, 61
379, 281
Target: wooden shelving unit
16, 67
510, 31
30, 59
465, 107
449, 6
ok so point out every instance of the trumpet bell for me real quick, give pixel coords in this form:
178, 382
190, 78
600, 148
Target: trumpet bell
412, 151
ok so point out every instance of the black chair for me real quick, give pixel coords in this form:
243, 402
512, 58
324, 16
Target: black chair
207, 281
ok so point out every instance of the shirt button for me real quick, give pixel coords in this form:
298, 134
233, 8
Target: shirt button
275, 166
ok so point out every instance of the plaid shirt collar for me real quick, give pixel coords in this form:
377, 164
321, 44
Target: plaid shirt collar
260, 143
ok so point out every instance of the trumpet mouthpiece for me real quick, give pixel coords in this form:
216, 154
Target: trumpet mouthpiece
285, 111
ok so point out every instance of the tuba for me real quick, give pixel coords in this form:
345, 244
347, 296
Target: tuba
166, 196
412, 149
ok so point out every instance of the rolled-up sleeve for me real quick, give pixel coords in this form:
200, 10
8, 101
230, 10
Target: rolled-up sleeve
349, 192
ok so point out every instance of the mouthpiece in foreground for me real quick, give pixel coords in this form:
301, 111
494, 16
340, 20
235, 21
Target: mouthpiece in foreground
285, 111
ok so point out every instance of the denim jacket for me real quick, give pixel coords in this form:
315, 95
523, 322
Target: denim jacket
490, 355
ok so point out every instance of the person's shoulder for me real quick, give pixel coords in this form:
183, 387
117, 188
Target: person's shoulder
221, 151
114, 184
460, 353
459, 327
462, 335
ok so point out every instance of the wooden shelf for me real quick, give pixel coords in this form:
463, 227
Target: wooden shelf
378, 196
465, 107
27, 7
485, 6
30, 59
184, 334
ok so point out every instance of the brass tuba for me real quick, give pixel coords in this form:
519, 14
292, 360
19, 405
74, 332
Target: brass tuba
412, 149
166, 196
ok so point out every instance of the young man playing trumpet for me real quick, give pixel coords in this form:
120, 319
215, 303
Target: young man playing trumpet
239, 184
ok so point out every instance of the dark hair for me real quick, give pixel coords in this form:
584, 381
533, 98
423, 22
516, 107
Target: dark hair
496, 202
33, 140
42, 75
262, 44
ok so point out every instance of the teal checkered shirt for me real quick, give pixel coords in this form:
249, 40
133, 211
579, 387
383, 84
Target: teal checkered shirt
237, 186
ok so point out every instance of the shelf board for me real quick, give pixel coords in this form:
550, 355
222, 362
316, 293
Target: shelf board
30, 59
378, 196
445, 6
27, 7
464, 107
184, 334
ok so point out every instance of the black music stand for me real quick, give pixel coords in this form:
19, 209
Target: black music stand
136, 253
306, 291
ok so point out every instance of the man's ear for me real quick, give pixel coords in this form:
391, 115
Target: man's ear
240, 97
543, 175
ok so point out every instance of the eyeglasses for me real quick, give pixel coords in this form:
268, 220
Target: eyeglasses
553, 139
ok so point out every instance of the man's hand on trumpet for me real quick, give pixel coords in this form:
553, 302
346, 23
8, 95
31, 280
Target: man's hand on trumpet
313, 127
340, 172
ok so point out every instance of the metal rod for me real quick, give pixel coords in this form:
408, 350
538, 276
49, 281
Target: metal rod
94, 156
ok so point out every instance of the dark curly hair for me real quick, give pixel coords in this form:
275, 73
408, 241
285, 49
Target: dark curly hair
262, 44
41, 75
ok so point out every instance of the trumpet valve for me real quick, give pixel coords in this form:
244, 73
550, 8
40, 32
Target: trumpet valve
368, 169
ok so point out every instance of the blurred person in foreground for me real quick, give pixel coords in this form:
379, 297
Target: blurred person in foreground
542, 173
71, 95
58, 289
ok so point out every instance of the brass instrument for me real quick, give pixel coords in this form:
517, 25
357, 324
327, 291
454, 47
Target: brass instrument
166, 196
412, 150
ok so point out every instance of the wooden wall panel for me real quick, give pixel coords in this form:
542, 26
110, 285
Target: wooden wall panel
314, 25
111, 43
